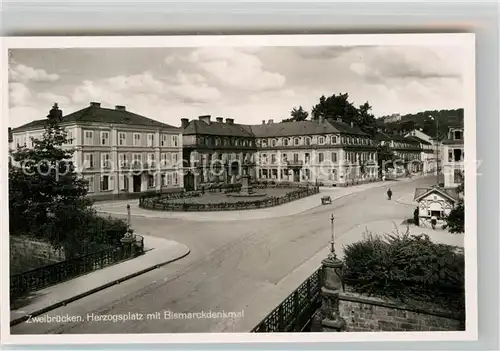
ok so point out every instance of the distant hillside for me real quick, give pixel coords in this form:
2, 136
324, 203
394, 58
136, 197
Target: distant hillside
421, 120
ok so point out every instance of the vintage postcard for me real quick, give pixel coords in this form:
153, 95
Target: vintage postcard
239, 189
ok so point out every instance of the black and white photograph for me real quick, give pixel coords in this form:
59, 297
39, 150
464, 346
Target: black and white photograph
239, 188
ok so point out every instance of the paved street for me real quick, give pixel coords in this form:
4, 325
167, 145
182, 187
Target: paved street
233, 266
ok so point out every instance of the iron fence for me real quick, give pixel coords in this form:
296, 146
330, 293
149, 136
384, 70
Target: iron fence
43, 277
296, 311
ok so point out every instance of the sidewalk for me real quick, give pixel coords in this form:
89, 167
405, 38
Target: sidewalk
289, 209
158, 253
390, 227
276, 293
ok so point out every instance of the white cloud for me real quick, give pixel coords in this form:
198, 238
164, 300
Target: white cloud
236, 68
19, 94
20, 115
22, 73
53, 98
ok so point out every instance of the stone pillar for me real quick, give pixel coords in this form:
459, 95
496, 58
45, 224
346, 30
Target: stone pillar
328, 317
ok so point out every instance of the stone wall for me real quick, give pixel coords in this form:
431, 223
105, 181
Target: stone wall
364, 314
27, 253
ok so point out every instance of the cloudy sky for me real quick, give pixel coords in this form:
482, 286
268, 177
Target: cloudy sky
247, 84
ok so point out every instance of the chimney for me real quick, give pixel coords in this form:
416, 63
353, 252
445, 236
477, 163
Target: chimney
220, 119
321, 119
55, 113
229, 121
95, 104
263, 122
10, 135
120, 108
270, 121
205, 118
184, 122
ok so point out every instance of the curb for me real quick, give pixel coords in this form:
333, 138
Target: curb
93, 291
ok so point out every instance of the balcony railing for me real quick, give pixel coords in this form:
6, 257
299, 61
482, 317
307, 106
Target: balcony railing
295, 163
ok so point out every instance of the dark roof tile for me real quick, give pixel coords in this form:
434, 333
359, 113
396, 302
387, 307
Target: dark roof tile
98, 114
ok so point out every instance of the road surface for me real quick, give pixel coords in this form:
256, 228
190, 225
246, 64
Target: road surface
232, 267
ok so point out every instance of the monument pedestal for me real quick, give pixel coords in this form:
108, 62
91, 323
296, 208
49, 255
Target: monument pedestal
332, 286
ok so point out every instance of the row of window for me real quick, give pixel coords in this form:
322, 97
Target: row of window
166, 140
123, 160
321, 140
349, 156
208, 141
107, 182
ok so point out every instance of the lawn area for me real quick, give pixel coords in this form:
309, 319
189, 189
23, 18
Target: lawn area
214, 198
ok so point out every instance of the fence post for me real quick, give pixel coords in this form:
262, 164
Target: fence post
281, 327
296, 308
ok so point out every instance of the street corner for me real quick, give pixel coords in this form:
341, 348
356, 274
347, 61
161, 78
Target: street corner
407, 199
161, 251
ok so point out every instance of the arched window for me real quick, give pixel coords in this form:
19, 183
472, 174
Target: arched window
296, 141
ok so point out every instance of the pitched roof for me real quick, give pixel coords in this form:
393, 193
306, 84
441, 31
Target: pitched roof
448, 193
397, 137
281, 129
346, 128
217, 128
95, 113
292, 129
419, 140
381, 136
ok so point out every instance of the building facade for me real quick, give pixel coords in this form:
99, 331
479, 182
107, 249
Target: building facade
429, 154
118, 152
435, 203
453, 156
322, 151
216, 151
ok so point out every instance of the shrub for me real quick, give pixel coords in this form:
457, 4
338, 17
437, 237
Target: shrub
406, 267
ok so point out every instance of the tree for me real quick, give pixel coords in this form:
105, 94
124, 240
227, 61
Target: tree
335, 106
365, 120
47, 198
456, 218
297, 115
385, 156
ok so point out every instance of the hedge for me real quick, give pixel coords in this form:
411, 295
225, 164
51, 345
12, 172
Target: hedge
406, 267
162, 203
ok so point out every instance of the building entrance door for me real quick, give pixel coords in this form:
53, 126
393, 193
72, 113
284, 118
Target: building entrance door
137, 183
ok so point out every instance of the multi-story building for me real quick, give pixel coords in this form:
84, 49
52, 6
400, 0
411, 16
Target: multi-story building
326, 151
429, 153
452, 159
395, 117
406, 153
118, 152
217, 151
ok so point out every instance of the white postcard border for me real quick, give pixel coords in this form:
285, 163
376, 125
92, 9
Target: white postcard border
467, 40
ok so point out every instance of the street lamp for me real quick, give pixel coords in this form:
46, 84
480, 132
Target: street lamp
437, 147
332, 256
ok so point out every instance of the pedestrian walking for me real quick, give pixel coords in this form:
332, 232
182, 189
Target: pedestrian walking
389, 194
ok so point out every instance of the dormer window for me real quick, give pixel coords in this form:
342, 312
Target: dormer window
321, 140
333, 139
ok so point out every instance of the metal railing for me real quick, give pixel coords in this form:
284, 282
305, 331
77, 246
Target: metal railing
297, 310
56, 273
